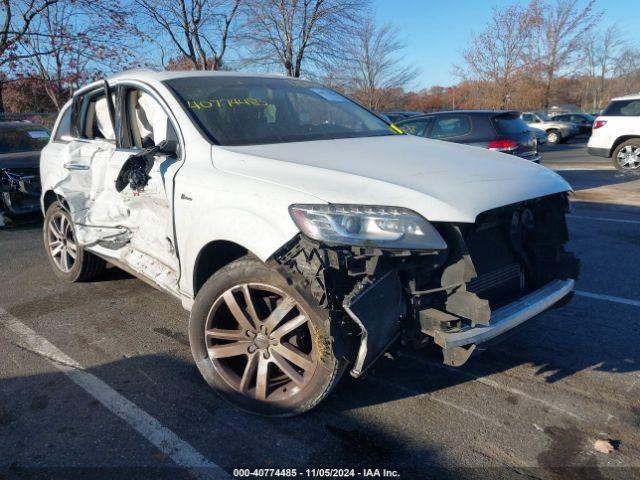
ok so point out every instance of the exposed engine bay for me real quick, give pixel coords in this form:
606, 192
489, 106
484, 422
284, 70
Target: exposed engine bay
378, 296
19, 191
20, 145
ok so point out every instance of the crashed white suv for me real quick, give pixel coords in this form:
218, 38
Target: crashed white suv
304, 234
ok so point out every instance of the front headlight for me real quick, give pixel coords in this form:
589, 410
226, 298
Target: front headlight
367, 226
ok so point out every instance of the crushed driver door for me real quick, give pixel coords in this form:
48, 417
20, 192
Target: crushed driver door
136, 194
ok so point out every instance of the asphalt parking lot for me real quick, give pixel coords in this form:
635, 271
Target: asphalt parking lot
532, 406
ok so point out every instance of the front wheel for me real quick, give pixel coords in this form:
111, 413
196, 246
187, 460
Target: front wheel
259, 343
626, 156
554, 137
69, 260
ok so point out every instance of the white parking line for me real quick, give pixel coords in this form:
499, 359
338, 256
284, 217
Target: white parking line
603, 219
183, 454
608, 298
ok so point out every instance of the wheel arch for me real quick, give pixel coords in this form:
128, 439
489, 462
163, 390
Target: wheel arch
49, 197
621, 140
212, 257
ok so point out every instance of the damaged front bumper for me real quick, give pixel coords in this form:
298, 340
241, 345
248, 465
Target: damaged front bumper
502, 320
19, 191
495, 274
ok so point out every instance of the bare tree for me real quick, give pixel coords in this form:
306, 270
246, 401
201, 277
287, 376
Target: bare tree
627, 68
78, 41
599, 57
374, 64
16, 19
199, 30
560, 31
501, 52
293, 32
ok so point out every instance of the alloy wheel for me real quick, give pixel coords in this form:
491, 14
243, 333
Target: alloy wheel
61, 241
261, 342
629, 157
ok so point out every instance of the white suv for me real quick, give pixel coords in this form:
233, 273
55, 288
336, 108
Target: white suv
305, 234
616, 133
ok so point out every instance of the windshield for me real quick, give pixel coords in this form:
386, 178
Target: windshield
255, 110
22, 138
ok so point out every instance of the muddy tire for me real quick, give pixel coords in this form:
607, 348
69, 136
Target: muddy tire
261, 344
70, 261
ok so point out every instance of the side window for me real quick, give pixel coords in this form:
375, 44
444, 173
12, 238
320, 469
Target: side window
147, 121
415, 127
97, 120
527, 117
622, 108
450, 126
63, 132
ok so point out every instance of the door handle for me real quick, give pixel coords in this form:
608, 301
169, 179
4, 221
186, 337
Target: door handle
76, 166
184, 197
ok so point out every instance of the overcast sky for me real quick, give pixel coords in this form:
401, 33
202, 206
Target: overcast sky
437, 31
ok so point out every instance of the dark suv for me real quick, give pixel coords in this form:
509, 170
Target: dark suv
499, 130
20, 145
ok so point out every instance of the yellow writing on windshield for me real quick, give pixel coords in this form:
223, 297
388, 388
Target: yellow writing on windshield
395, 129
225, 102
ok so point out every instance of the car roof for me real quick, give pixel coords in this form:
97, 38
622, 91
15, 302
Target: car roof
156, 76
465, 112
16, 123
633, 96
148, 74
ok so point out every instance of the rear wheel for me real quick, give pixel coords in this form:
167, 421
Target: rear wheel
259, 343
626, 156
554, 137
68, 259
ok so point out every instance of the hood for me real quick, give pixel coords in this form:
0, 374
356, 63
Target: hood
20, 160
441, 181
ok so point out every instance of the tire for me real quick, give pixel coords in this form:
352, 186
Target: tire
85, 265
554, 137
256, 344
626, 156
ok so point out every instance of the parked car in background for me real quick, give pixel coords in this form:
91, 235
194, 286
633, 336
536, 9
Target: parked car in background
584, 121
303, 233
497, 130
616, 133
398, 116
20, 146
540, 134
557, 132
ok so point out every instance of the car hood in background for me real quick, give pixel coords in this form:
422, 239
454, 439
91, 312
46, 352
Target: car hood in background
442, 181
20, 160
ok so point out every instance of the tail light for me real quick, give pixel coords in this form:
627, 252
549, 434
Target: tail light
503, 145
599, 123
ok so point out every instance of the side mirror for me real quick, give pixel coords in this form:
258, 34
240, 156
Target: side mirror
171, 148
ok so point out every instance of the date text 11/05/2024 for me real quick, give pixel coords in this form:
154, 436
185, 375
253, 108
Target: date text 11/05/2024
316, 473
